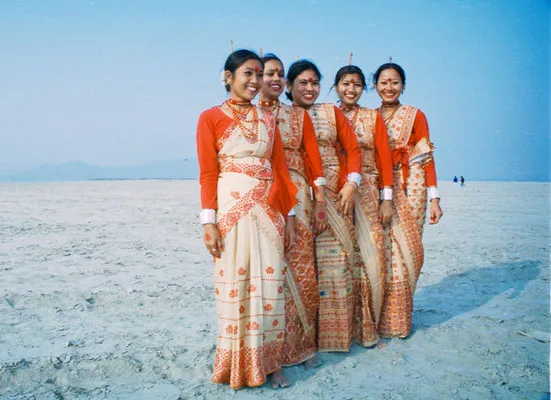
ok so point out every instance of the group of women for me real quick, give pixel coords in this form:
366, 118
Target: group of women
313, 213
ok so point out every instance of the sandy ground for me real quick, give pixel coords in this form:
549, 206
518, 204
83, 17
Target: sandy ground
106, 293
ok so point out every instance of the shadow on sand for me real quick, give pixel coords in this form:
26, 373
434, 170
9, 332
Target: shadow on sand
461, 293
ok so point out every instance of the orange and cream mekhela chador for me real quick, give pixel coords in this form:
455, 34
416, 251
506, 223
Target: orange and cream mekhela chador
376, 172
335, 255
244, 178
414, 172
301, 290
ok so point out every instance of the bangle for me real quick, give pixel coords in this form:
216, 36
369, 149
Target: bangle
207, 216
433, 192
386, 194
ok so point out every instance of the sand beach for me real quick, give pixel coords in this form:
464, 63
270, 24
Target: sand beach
106, 293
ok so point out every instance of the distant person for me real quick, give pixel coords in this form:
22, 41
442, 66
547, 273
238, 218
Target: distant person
455, 180
462, 181
245, 194
414, 180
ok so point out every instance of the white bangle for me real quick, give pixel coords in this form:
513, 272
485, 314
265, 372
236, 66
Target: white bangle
320, 181
386, 194
433, 192
354, 177
207, 216
292, 213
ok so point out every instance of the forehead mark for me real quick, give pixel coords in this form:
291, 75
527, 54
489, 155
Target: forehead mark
257, 69
352, 81
310, 80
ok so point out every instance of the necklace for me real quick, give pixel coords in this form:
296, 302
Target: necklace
239, 102
268, 103
389, 115
352, 118
348, 108
249, 127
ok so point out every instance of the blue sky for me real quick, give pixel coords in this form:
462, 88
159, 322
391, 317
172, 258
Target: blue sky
123, 82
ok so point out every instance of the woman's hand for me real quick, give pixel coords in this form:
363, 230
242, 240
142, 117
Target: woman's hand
435, 211
290, 231
346, 198
319, 220
212, 240
386, 211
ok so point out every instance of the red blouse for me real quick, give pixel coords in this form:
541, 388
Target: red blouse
211, 125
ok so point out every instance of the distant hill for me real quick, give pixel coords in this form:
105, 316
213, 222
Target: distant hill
80, 171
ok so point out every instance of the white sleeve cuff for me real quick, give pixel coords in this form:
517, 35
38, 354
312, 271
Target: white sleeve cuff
207, 216
320, 181
433, 193
386, 194
292, 213
354, 177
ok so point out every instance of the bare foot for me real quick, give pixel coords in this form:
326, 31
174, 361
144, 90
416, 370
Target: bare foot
279, 380
381, 344
313, 362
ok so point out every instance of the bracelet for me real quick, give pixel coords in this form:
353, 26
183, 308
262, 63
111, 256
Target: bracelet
354, 177
386, 194
207, 216
433, 192
320, 181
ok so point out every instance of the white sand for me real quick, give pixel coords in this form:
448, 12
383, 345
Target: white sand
106, 293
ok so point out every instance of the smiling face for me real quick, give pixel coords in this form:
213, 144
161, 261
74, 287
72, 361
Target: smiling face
350, 89
246, 81
389, 86
274, 80
305, 89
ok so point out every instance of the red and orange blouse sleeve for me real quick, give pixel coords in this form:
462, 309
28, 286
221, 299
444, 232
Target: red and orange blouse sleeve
210, 126
421, 130
348, 141
384, 157
310, 147
283, 192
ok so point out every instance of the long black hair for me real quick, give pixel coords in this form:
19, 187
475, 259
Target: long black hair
297, 68
237, 59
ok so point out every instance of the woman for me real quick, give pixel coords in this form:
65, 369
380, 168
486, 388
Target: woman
414, 180
376, 171
341, 160
245, 191
305, 168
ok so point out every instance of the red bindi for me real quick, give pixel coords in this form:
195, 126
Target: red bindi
310, 80
207, 237
276, 69
256, 69
321, 215
352, 81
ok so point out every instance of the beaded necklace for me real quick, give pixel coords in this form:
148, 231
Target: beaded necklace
390, 114
244, 122
346, 110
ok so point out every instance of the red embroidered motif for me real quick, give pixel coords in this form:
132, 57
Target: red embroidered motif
269, 270
251, 288
233, 293
241, 271
268, 307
